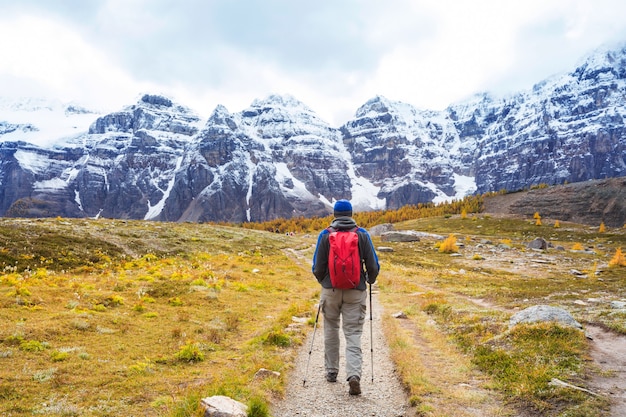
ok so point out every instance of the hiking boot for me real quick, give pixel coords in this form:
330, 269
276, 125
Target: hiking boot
331, 376
355, 385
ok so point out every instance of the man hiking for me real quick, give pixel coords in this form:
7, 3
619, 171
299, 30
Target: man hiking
344, 261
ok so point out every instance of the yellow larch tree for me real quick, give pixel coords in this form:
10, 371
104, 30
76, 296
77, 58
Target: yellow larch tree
618, 259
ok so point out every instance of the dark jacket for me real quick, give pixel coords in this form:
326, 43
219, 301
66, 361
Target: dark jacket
366, 251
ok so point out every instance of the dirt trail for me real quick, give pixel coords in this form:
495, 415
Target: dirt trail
384, 397
608, 351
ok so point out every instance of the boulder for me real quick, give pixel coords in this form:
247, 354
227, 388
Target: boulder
544, 313
407, 236
538, 243
222, 406
380, 228
384, 249
266, 373
400, 236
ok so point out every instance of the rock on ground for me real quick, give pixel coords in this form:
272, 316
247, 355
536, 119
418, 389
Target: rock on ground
222, 406
541, 313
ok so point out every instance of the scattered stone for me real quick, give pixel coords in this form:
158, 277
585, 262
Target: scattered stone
385, 249
618, 305
265, 373
399, 315
299, 319
400, 236
538, 243
222, 406
294, 327
543, 313
576, 272
455, 255
559, 248
380, 229
485, 241
297, 323
580, 303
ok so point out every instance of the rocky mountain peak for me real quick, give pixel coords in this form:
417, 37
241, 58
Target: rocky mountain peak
277, 100
277, 158
603, 64
156, 100
282, 116
378, 105
151, 112
221, 118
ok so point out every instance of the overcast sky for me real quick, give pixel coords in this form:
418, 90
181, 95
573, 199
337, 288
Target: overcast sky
333, 55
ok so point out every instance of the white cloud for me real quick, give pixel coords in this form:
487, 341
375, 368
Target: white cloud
333, 56
48, 59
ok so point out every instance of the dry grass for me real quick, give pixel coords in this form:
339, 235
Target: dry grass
458, 306
163, 314
439, 377
110, 317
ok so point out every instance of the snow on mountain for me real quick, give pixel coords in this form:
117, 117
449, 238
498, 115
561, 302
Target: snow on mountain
158, 160
42, 122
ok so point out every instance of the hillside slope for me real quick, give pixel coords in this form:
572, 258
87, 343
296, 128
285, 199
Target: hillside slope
589, 202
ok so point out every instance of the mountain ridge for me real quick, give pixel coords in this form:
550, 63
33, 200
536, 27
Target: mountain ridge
158, 160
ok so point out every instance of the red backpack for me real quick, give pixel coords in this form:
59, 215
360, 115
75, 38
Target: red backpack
344, 262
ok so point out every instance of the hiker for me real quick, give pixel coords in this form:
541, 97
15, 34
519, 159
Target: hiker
348, 304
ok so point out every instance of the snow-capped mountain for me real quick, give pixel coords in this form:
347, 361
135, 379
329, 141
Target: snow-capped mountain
158, 160
42, 121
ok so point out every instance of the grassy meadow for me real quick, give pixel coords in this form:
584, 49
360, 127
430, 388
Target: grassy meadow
460, 302
111, 317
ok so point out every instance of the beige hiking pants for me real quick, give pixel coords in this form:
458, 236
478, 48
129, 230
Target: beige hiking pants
349, 306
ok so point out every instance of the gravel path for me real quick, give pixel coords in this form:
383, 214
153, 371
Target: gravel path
384, 397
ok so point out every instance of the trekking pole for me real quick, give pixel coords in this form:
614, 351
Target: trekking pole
306, 372
371, 333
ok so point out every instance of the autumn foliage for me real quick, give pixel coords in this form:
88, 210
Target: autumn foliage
449, 245
367, 219
618, 259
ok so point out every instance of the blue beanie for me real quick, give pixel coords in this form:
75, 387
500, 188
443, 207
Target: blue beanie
342, 208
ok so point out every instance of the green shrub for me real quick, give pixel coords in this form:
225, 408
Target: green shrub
33, 346
277, 338
58, 356
257, 407
190, 353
